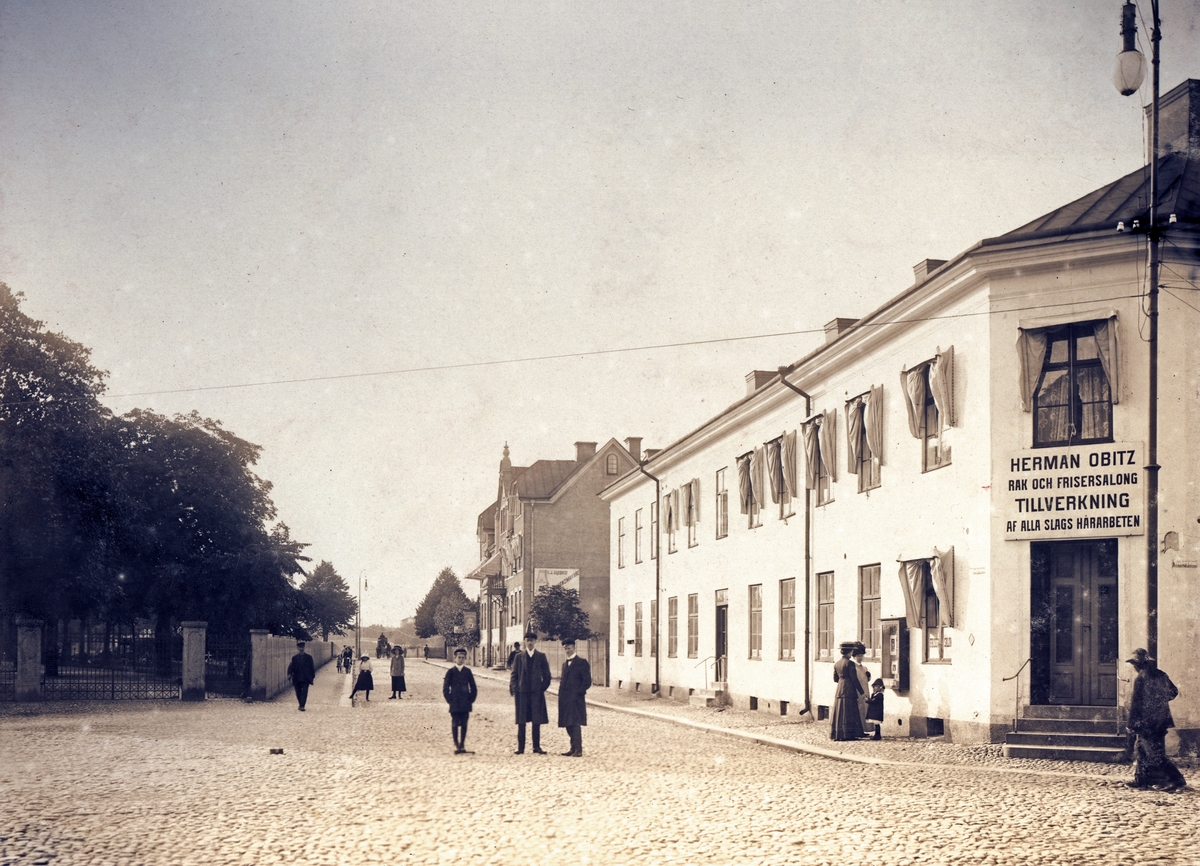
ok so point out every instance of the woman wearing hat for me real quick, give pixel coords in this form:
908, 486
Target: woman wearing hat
1149, 718
847, 721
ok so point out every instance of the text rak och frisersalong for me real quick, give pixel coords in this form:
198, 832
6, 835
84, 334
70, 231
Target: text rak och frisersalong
1105, 481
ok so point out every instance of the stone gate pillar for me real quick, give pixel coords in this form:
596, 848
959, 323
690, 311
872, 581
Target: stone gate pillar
29, 659
194, 639
259, 663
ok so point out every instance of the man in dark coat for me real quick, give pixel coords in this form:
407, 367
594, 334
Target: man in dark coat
302, 671
527, 684
576, 679
458, 688
1149, 718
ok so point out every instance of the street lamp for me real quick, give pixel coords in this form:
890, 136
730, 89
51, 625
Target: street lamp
1127, 77
358, 618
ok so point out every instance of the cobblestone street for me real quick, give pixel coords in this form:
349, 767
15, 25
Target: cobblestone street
167, 783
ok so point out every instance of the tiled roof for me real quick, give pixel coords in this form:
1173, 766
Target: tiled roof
1124, 200
487, 517
541, 479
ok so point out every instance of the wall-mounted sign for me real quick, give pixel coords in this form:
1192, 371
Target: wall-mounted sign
1078, 492
567, 577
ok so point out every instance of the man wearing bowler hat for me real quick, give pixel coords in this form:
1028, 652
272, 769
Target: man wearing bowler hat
302, 671
527, 684
1149, 718
572, 687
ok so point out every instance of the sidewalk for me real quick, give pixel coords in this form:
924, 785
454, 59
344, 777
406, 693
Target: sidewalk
803, 734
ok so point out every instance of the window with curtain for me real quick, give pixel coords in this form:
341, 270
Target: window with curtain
756, 621
722, 509
825, 616
654, 530
819, 453
929, 397
671, 517
1072, 401
869, 629
864, 438
692, 494
620, 542
693, 625
672, 626
637, 628
653, 628
787, 619
927, 584
620, 629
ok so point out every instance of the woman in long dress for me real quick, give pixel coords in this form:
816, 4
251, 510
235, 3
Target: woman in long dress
847, 722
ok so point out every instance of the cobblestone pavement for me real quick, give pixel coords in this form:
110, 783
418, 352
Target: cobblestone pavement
167, 783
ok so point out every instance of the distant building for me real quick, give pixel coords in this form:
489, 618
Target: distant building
957, 480
547, 526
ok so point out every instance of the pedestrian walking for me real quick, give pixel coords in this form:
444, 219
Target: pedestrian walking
527, 684
864, 682
426, 652
302, 672
458, 688
397, 671
347, 659
365, 681
576, 679
512, 656
846, 721
875, 708
1149, 718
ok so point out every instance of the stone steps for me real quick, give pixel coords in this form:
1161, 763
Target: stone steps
1068, 733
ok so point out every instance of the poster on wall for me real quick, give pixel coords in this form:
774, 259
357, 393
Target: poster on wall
567, 577
1083, 491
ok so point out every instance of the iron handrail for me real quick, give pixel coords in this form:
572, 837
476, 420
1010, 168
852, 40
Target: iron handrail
1017, 696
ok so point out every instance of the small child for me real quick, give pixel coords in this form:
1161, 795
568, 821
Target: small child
365, 681
875, 708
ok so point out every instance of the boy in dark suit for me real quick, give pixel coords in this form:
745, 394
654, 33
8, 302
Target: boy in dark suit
572, 706
458, 688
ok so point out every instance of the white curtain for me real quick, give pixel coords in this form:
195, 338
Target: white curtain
774, 471
941, 385
912, 585
1031, 352
758, 481
788, 458
941, 574
874, 423
812, 452
1032, 342
854, 433
1106, 343
745, 491
828, 443
912, 383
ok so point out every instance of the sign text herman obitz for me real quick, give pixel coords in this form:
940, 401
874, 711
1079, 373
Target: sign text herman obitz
1077, 492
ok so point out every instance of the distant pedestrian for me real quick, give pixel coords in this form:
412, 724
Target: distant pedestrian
527, 684
426, 652
846, 720
576, 679
347, 659
339, 662
302, 671
875, 708
458, 688
365, 681
864, 681
397, 671
512, 656
1149, 718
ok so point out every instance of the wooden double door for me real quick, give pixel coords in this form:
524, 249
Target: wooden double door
1075, 615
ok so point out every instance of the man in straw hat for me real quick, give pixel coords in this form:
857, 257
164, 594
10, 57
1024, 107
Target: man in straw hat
1149, 718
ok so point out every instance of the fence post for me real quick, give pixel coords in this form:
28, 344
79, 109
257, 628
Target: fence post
260, 661
29, 659
194, 685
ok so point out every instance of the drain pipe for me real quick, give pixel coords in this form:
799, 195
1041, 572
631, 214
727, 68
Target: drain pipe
657, 569
783, 374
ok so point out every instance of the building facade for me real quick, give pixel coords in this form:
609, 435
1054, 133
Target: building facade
957, 479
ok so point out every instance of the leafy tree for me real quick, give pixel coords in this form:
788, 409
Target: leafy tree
331, 606
451, 622
445, 584
555, 612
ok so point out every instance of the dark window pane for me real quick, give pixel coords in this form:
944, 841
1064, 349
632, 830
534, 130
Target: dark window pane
1064, 624
1106, 633
1059, 350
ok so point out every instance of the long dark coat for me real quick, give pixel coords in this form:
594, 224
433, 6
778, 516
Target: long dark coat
528, 683
301, 669
847, 723
458, 688
1150, 706
572, 687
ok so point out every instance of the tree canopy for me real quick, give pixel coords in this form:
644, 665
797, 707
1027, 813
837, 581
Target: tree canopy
555, 612
444, 585
331, 607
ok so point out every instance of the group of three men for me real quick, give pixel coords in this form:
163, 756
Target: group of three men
528, 681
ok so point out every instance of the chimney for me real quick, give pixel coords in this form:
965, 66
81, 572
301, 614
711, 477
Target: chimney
836, 328
755, 379
634, 445
650, 452
584, 451
925, 267
1178, 121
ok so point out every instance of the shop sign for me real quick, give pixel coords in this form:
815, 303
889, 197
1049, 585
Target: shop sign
567, 577
1083, 491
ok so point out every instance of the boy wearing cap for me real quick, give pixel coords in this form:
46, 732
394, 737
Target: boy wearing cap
458, 688
528, 683
1149, 718
302, 671
572, 705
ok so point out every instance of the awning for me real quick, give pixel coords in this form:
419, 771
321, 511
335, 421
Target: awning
488, 567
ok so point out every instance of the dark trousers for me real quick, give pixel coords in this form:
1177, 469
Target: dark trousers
301, 693
537, 736
458, 727
575, 735
1151, 765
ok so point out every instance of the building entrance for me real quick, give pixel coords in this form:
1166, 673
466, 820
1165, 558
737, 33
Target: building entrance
1073, 635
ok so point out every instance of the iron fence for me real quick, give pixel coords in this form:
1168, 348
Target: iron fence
110, 661
227, 665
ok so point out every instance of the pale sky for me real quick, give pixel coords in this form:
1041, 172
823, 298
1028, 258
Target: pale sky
214, 194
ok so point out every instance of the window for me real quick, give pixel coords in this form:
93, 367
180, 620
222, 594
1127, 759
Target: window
781, 473
933, 454
653, 629
611, 467
869, 631
620, 629
819, 455
937, 637
654, 530
824, 487
672, 626
620, 542
637, 629
671, 517
787, 619
825, 616
637, 535
864, 437
928, 586
692, 493
722, 510
929, 397
1073, 401
693, 625
756, 621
